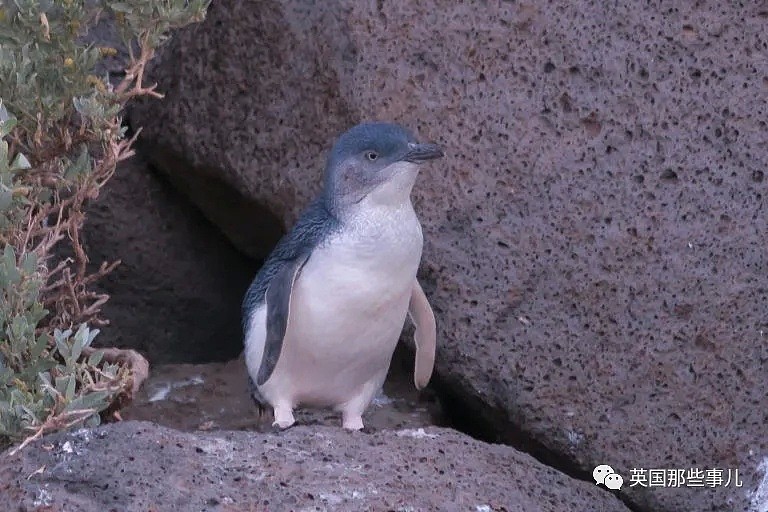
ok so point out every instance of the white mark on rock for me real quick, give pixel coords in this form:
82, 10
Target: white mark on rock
216, 446
257, 478
381, 400
345, 495
332, 499
67, 447
574, 437
43, 498
482, 508
419, 433
758, 499
82, 434
162, 392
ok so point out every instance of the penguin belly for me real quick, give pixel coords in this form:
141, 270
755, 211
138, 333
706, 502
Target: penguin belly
348, 308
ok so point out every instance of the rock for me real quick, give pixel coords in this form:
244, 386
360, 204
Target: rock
176, 295
138, 466
595, 236
272, 124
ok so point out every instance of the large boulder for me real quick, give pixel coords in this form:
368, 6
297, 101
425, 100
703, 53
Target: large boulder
137, 466
266, 112
595, 236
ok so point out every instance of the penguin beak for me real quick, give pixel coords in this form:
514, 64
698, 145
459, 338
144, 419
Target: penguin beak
419, 153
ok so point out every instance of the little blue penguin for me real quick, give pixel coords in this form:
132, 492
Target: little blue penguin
324, 314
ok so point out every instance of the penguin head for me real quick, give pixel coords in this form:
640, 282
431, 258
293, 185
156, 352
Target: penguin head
378, 161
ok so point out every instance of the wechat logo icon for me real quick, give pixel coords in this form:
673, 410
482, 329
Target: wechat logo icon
604, 474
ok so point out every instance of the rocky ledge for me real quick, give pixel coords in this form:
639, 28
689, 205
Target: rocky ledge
139, 466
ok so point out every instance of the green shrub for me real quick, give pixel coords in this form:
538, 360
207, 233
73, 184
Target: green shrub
61, 138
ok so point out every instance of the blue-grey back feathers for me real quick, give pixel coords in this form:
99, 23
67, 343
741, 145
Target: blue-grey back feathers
314, 226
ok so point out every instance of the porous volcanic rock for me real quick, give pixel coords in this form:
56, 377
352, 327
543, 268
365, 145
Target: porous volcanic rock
137, 466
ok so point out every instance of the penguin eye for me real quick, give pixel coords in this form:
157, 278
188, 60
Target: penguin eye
371, 155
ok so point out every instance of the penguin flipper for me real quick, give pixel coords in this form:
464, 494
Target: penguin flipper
278, 300
425, 336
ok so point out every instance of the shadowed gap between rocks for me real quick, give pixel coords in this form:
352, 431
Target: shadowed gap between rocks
250, 228
176, 294
464, 413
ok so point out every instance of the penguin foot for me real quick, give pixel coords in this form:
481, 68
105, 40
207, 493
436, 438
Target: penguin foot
352, 422
283, 418
277, 425
277, 429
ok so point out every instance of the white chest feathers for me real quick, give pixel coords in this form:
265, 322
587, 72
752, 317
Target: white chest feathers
348, 307
358, 282
376, 253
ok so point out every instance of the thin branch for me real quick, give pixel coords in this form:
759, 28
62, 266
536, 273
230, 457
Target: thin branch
55, 421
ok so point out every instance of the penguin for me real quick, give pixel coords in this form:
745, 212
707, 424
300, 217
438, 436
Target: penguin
324, 314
